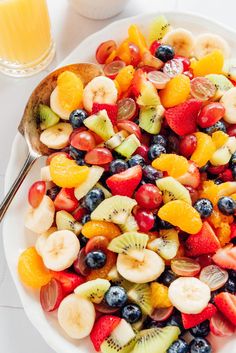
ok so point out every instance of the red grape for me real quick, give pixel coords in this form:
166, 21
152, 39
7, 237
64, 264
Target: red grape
148, 196
145, 220
36, 193
210, 114
51, 295
142, 150
154, 46
83, 141
188, 145
126, 109
134, 54
104, 50
162, 314
231, 130
129, 126
184, 266
79, 264
98, 156
185, 61
97, 243
112, 69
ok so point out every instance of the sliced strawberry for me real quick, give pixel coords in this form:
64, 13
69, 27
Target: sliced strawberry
226, 175
226, 257
66, 200
112, 110
233, 230
204, 242
226, 303
79, 213
191, 320
68, 280
220, 326
182, 118
126, 182
191, 177
102, 329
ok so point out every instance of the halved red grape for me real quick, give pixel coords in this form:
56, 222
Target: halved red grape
231, 130
105, 308
142, 150
162, 314
150, 60
76, 131
135, 56
83, 141
185, 266
188, 145
104, 50
173, 68
36, 193
185, 61
221, 326
158, 78
204, 260
214, 276
129, 126
202, 88
126, 109
51, 295
98, 156
79, 264
113, 68
97, 243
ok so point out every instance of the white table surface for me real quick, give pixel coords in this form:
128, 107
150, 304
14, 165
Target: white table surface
16, 333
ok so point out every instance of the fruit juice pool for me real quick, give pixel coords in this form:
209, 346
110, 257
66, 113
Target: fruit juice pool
26, 46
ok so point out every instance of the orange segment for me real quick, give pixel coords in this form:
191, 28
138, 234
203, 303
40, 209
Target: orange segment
223, 233
213, 192
219, 138
204, 150
70, 90
124, 77
66, 173
181, 215
159, 296
136, 37
111, 57
123, 52
31, 269
176, 91
103, 272
95, 228
173, 164
209, 64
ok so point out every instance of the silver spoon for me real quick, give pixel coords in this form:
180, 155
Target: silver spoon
29, 127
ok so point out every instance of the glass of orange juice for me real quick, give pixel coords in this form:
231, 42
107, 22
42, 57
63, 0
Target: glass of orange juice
26, 45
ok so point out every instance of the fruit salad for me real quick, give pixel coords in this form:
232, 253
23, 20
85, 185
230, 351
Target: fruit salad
135, 207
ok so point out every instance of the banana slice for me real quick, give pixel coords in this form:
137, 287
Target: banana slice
145, 271
100, 90
41, 240
229, 68
116, 140
208, 42
181, 40
76, 316
189, 295
40, 219
229, 102
56, 106
60, 250
57, 136
45, 174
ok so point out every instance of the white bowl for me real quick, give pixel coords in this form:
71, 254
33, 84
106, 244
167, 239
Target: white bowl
16, 238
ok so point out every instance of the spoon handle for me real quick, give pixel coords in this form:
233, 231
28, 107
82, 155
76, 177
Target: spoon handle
17, 183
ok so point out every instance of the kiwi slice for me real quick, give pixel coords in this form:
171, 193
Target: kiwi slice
167, 245
65, 220
173, 190
100, 124
130, 243
115, 209
137, 326
111, 345
95, 173
116, 140
222, 84
141, 294
47, 117
106, 192
128, 146
93, 290
156, 340
130, 225
150, 118
158, 28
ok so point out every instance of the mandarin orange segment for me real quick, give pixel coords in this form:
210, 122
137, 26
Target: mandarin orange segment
125, 77
136, 37
123, 52
181, 215
223, 233
159, 296
176, 91
173, 164
95, 228
233, 196
70, 90
213, 192
66, 173
111, 57
209, 64
217, 218
204, 150
219, 138
103, 272
31, 269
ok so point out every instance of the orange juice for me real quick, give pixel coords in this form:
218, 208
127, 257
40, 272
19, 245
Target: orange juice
25, 37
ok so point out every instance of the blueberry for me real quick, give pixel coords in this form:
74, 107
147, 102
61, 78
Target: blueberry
179, 346
80, 161
83, 240
232, 274
199, 345
116, 297
204, 207
201, 330
53, 192
205, 167
176, 320
131, 313
173, 144
213, 295
155, 151
136, 160
218, 181
77, 117
150, 174
161, 224
167, 277
230, 286
233, 168
93, 199
75, 153
227, 205
118, 166
150, 323
165, 52
85, 219
219, 126
95, 259
159, 140
232, 161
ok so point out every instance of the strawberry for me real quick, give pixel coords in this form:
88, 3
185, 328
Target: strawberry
191, 320
102, 329
182, 118
79, 213
226, 175
68, 280
226, 257
154, 46
112, 110
204, 242
125, 183
66, 200
233, 230
220, 326
226, 303
191, 177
